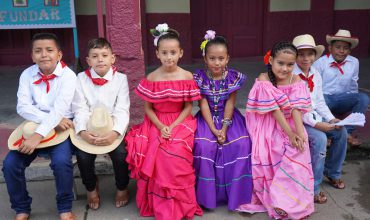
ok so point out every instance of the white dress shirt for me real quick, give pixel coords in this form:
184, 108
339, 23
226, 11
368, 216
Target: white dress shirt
320, 111
114, 95
334, 82
47, 109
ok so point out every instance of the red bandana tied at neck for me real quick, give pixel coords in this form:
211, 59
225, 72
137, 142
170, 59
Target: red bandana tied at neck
99, 81
338, 66
309, 81
46, 78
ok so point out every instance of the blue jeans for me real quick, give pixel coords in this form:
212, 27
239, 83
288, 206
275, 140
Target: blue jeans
14, 167
347, 102
332, 165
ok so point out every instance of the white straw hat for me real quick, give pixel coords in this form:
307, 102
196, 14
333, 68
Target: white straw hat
343, 35
306, 41
100, 123
28, 128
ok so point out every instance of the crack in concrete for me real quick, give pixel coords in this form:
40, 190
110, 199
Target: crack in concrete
86, 212
339, 206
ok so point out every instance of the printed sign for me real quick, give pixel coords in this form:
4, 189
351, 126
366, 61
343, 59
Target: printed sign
27, 14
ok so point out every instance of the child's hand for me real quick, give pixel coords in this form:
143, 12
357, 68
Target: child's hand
64, 124
88, 137
335, 120
296, 141
324, 126
215, 132
221, 138
165, 132
107, 139
28, 146
303, 136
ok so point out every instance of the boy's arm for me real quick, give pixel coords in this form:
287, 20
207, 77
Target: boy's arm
354, 85
25, 106
321, 106
80, 108
121, 112
62, 104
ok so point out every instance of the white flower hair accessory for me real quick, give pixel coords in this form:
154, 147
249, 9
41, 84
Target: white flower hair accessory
210, 35
159, 31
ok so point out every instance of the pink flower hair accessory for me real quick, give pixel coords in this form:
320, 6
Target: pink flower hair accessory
210, 35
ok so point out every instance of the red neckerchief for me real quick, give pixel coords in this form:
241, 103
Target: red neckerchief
99, 81
338, 66
309, 81
46, 78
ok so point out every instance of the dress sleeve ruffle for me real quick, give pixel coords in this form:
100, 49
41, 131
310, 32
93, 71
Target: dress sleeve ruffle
264, 98
299, 97
168, 91
235, 80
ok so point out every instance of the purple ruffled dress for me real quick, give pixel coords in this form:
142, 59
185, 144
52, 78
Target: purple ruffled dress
223, 171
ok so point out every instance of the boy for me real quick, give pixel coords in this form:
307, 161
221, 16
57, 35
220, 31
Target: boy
339, 71
319, 121
101, 86
44, 95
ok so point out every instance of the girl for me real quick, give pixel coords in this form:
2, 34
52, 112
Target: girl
222, 145
281, 164
160, 149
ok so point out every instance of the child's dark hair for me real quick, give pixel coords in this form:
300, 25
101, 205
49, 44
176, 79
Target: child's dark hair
171, 34
283, 46
46, 36
99, 43
218, 40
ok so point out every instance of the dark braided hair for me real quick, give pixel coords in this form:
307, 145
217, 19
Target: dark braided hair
218, 40
282, 46
171, 34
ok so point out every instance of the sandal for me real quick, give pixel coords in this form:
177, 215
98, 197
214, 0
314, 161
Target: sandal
122, 198
94, 200
281, 212
336, 183
353, 141
320, 198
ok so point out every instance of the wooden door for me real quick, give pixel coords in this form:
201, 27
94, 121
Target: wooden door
240, 21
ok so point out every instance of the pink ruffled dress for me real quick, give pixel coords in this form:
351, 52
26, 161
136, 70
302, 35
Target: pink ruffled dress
282, 175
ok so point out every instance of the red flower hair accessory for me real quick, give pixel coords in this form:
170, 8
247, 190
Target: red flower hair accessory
266, 58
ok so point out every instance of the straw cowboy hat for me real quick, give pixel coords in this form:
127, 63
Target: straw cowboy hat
27, 129
100, 123
306, 41
343, 35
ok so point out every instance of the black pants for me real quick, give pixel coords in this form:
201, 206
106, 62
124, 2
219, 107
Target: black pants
86, 164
